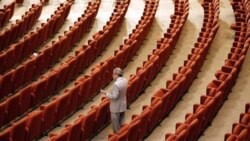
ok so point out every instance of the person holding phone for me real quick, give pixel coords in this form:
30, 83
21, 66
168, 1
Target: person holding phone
118, 100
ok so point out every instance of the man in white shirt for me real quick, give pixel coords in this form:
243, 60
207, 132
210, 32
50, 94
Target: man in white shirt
118, 101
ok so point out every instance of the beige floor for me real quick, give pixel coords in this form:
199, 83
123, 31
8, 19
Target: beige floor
218, 52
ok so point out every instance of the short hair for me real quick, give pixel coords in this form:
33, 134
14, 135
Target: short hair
118, 71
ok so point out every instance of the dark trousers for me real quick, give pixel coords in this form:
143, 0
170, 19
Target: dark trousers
117, 120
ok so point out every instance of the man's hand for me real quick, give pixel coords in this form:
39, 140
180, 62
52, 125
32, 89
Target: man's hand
104, 93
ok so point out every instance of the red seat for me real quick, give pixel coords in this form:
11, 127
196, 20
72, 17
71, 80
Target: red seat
7, 83
2, 61
62, 73
114, 137
81, 60
164, 95
47, 56
52, 80
104, 75
13, 107
151, 71
233, 63
34, 125
123, 136
174, 89
181, 79
3, 110
245, 119
62, 136
64, 45
29, 69
90, 54
18, 77
102, 115
62, 106
25, 98
95, 73
71, 72
19, 132
141, 72
74, 97
135, 129
181, 136
49, 115
88, 124
111, 63
75, 130
118, 58
6, 135
145, 115
133, 91
241, 132
218, 85
85, 83
39, 64
193, 124
40, 88
155, 113
189, 73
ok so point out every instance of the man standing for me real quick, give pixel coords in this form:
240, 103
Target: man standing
118, 101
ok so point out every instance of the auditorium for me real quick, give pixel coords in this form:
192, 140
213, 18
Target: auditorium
124, 70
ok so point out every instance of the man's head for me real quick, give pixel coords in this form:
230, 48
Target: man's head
117, 72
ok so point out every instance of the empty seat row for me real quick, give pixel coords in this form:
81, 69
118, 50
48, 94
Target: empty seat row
160, 106
86, 126
36, 64
33, 40
49, 84
71, 96
6, 13
145, 74
141, 125
10, 34
241, 130
218, 90
26, 46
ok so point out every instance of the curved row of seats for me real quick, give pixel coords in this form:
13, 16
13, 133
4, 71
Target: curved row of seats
9, 35
10, 78
33, 40
14, 105
9, 81
37, 92
145, 74
218, 89
241, 130
37, 64
142, 125
44, 115
6, 13
189, 71
84, 89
